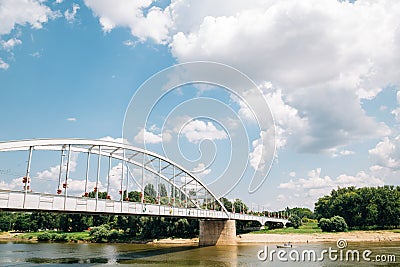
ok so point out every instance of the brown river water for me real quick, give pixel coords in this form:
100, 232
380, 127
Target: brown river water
56, 254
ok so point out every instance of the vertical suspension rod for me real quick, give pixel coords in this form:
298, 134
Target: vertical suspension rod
108, 177
87, 172
98, 177
65, 185
121, 190
60, 172
28, 171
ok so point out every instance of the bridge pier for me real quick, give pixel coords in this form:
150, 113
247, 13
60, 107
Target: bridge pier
217, 232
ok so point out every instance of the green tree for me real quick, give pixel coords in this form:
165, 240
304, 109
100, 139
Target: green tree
5, 221
134, 196
45, 220
239, 206
301, 212
323, 207
129, 224
362, 207
228, 205
163, 190
23, 223
150, 191
295, 221
150, 194
101, 195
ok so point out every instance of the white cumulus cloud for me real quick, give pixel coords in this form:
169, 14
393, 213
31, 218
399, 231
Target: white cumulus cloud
70, 15
129, 43
8, 45
200, 170
53, 172
22, 12
148, 137
198, 130
309, 189
323, 55
387, 153
3, 65
396, 112
153, 24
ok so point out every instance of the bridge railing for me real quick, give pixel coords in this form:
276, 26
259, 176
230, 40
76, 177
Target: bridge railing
19, 201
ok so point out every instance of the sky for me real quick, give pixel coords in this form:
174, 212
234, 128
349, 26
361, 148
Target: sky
329, 71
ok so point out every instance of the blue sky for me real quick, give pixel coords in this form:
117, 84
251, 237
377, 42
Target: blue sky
328, 69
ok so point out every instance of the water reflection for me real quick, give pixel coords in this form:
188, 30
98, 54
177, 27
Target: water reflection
111, 253
169, 255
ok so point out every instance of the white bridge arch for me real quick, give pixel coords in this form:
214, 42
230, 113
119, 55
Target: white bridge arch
189, 197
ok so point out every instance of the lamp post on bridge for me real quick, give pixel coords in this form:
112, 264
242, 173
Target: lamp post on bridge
65, 185
59, 190
28, 170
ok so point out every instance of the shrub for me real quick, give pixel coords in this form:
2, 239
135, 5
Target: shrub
334, 224
274, 225
45, 237
100, 233
308, 220
114, 235
60, 237
325, 224
338, 224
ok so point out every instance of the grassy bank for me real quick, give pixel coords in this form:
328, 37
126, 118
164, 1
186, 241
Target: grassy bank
56, 236
306, 228
85, 237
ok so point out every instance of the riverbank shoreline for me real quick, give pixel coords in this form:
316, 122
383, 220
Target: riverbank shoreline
351, 236
260, 238
19, 237
175, 241
8, 236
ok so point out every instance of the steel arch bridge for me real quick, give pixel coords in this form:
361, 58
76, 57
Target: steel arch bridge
189, 196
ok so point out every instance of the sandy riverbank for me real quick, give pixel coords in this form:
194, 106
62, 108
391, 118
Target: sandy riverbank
7, 236
353, 236
176, 241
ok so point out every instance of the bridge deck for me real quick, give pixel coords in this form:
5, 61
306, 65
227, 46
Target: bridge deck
19, 201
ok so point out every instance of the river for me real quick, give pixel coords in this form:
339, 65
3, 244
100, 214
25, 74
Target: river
54, 254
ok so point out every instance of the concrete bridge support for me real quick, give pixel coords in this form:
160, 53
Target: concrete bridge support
217, 232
